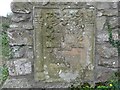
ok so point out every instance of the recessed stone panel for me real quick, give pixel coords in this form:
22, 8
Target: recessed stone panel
64, 44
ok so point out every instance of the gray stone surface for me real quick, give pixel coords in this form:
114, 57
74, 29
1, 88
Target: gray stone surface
100, 21
114, 5
51, 85
22, 25
113, 22
107, 52
14, 25
21, 39
104, 36
21, 7
22, 51
19, 67
109, 63
110, 12
103, 74
20, 17
28, 26
103, 5
76, 37
16, 83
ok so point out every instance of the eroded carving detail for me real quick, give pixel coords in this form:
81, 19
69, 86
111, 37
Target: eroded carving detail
66, 40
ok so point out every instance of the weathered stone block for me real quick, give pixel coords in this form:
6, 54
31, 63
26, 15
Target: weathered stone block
103, 5
28, 26
90, 3
20, 37
99, 13
19, 67
23, 67
20, 17
100, 21
107, 52
21, 7
114, 22
17, 83
69, 75
22, 51
14, 25
110, 12
104, 36
22, 25
103, 74
111, 62
114, 5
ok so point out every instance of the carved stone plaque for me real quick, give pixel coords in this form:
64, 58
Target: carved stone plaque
64, 44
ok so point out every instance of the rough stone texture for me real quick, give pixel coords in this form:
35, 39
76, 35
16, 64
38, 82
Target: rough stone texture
110, 12
20, 17
104, 37
22, 25
51, 85
112, 62
20, 37
103, 74
103, 5
100, 23
59, 47
22, 52
19, 67
16, 83
28, 26
107, 52
21, 7
114, 22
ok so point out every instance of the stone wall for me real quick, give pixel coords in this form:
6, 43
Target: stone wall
22, 35
106, 54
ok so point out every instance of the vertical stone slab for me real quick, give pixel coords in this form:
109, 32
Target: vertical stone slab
64, 44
